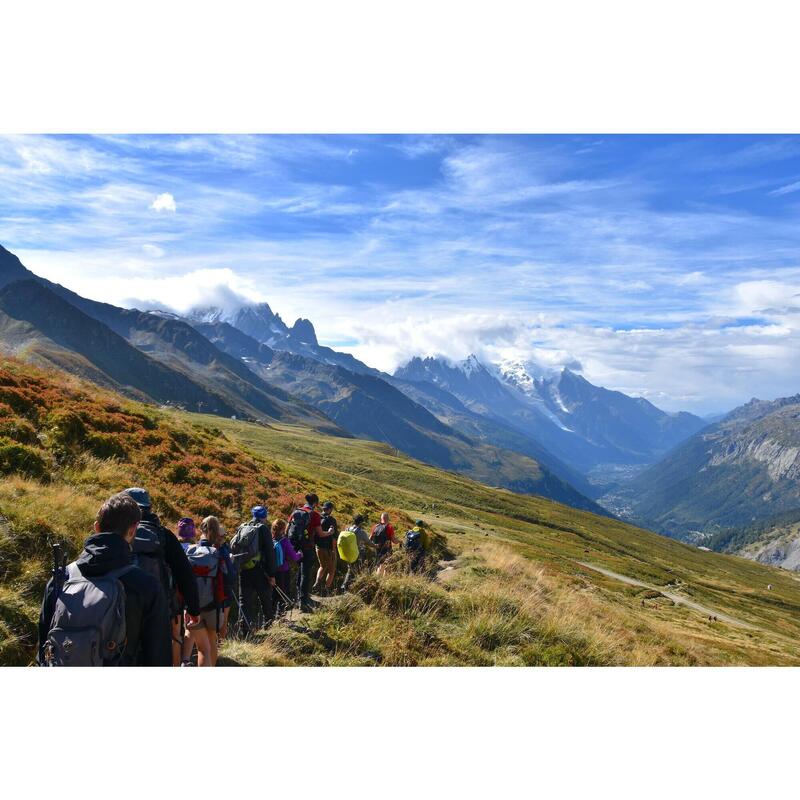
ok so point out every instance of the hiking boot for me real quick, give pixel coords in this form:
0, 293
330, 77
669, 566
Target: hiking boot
307, 607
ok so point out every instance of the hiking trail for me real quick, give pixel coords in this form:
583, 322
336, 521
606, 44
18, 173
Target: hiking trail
676, 598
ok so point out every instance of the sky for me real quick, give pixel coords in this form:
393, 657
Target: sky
661, 266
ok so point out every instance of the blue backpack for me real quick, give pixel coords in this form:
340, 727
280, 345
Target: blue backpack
279, 560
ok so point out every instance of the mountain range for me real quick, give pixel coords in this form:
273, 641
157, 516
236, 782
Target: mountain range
165, 359
733, 485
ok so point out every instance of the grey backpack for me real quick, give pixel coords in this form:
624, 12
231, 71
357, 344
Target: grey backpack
244, 545
88, 624
204, 561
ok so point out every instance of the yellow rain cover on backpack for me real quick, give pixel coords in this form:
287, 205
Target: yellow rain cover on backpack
347, 545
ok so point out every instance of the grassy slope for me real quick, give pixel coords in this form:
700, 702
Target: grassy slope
556, 537
515, 596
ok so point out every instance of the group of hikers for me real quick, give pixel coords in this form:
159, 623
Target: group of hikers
140, 595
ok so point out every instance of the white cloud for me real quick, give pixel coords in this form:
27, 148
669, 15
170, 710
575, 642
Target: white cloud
164, 202
153, 250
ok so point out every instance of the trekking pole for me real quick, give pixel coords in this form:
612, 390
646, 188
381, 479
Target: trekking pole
59, 573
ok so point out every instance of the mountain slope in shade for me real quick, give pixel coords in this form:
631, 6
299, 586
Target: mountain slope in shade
737, 473
180, 348
373, 408
37, 324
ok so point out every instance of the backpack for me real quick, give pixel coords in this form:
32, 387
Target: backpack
205, 563
279, 559
298, 528
148, 554
88, 627
414, 541
348, 546
379, 536
245, 552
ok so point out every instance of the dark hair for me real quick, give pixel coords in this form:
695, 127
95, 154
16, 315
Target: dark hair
358, 520
312, 499
118, 514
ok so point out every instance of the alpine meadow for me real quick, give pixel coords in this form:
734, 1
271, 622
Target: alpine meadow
538, 405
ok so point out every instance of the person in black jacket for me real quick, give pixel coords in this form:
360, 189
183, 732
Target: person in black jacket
257, 577
179, 574
146, 615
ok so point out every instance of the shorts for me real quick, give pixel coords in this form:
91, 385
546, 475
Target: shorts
207, 620
327, 559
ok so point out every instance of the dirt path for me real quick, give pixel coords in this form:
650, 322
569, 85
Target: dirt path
676, 598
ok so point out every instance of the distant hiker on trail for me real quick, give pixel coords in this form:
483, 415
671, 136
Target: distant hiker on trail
304, 526
82, 621
352, 546
382, 537
158, 552
326, 550
285, 556
210, 571
186, 532
253, 554
417, 543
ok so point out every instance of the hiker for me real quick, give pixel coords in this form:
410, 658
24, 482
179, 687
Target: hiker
285, 555
326, 550
417, 543
304, 526
210, 574
382, 536
186, 532
158, 552
77, 626
231, 573
253, 554
352, 545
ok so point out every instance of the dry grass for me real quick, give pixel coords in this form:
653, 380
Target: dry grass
496, 608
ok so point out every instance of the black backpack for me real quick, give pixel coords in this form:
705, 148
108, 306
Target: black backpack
414, 541
149, 546
379, 536
298, 528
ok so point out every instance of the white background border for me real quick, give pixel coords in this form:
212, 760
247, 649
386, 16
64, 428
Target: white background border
393, 67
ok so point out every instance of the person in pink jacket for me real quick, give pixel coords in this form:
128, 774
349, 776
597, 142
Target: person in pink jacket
282, 580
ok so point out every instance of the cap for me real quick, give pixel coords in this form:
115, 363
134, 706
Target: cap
140, 496
186, 529
259, 512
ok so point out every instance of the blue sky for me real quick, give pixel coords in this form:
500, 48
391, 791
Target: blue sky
665, 266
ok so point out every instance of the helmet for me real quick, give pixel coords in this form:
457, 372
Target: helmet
259, 512
139, 496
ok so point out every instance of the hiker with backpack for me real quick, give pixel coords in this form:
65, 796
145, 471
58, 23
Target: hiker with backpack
382, 537
231, 574
352, 545
102, 610
285, 556
209, 570
158, 552
304, 526
326, 550
253, 555
417, 542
